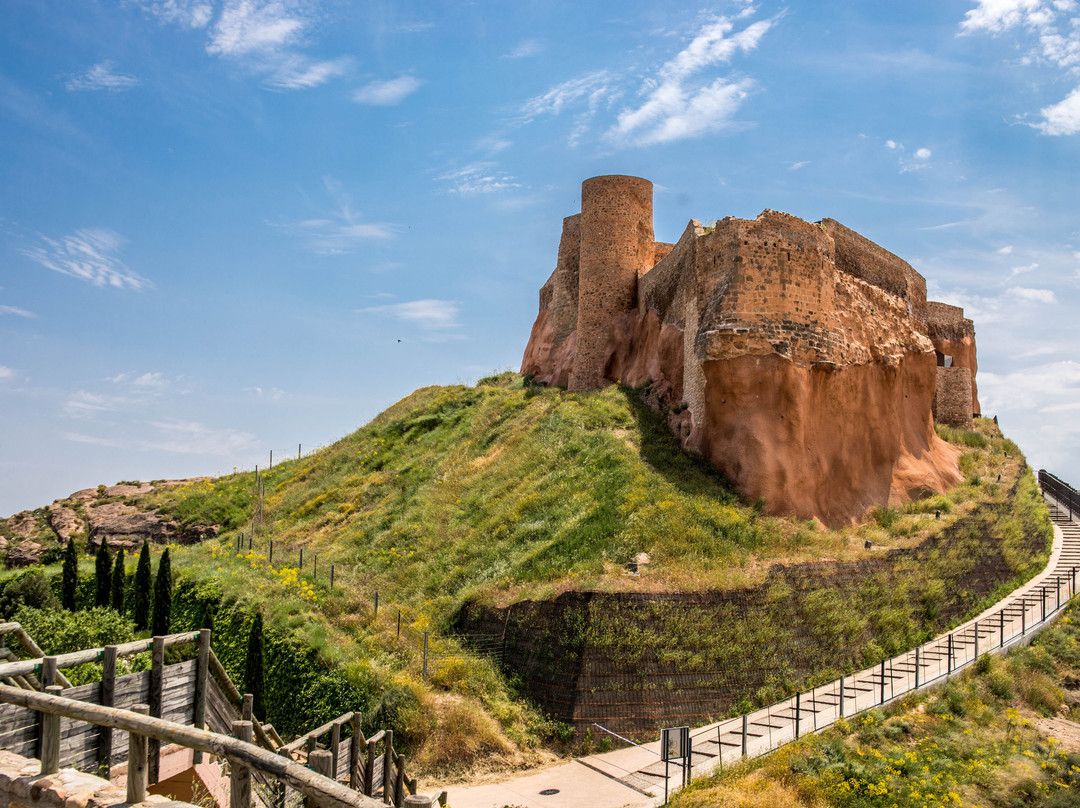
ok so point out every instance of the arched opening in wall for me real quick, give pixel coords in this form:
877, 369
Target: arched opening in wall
944, 360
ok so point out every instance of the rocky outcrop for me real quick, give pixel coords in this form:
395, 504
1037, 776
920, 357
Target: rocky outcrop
799, 358
106, 513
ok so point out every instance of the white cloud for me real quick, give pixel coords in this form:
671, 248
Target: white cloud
676, 108
892, 144
798, 165
84, 404
89, 254
435, 317
1033, 295
1053, 27
999, 15
1006, 250
102, 77
247, 26
387, 93
1062, 118
341, 230
6, 373
189, 437
526, 48
923, 154
17, 312
594, 87
478, 178
299, 73
185, 13
78, 437
1023, 269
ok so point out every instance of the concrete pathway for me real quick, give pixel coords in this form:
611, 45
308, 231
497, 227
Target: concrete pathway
635, 776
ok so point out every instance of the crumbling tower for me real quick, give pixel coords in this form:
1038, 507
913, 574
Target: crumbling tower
616, 246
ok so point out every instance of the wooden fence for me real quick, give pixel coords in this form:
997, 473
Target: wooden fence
194, 693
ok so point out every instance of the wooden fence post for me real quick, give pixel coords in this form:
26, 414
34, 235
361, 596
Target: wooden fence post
319, 761
278, 796
48, 671
108, 696
50, 736
354, 754
136, 773
369, 770
240, 775
388, 765
157, 688
399, 783
335, 747
202, 669
246, 707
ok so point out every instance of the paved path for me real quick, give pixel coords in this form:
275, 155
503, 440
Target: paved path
635, 776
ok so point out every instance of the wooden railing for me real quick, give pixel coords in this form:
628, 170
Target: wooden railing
244, 756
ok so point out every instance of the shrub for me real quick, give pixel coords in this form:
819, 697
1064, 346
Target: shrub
59, 632
253, 667
29, 589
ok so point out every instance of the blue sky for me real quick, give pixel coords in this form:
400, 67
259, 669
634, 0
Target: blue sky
235, 226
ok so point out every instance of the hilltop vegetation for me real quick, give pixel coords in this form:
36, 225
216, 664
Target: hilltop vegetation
982, 739
504, 491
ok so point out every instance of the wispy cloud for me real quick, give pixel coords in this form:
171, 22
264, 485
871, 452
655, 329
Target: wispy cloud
387, 92
248, 26
434, 320
295, 72
478, 178
1033, 295
126, 392
1022, 269
678, 105
92, 440
185, 13
1054, 30
102, 77
190, 437
339, 230
15, 310
593, 87
919, 159
525, 49
798, 165
6, 373
89, 254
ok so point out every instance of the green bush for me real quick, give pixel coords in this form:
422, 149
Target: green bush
29, 589
61, 632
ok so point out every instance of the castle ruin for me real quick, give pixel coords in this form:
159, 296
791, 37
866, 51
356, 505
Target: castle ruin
800, 358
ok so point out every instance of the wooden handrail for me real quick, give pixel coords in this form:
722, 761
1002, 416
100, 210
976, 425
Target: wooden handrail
27, 666
315, 733
32, 648
322, 790
222, 676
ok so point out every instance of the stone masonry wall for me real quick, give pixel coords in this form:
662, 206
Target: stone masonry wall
616, 246
862, 258
952, 397
563, 309
945, 322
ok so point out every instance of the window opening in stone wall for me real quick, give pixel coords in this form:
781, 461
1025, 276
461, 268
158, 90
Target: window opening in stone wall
944, 360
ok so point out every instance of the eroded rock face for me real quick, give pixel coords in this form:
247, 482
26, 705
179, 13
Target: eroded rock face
799, 358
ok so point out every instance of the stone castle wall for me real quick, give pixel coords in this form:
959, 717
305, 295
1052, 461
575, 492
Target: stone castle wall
952, 397
616, 246
860, 257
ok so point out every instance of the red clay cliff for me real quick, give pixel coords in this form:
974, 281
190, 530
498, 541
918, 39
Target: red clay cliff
800, 358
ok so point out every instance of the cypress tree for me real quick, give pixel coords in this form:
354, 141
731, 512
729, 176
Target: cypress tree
162, 597
118, 582
102, 574
141, 595
253, 667
69, 579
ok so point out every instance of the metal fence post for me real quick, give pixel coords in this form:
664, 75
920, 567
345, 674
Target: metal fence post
976, 639
916, 667
841, 696
1001, 614
744, 721
798, 708
949, 658
883, 681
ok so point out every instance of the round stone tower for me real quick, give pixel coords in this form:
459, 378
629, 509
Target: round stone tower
616, 246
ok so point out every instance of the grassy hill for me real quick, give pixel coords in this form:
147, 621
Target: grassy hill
504, 491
